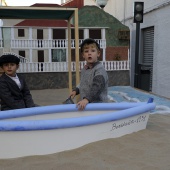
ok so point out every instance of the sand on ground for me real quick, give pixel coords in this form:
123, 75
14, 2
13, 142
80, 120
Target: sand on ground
148, 149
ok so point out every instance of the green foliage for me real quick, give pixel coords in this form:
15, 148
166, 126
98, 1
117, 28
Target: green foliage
92, 16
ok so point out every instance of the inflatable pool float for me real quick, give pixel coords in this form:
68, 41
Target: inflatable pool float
51, 129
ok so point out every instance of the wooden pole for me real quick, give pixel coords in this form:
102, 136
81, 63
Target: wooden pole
77, 47
69, 56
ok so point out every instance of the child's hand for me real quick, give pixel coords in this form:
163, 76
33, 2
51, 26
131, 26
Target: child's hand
73, 94
82, 104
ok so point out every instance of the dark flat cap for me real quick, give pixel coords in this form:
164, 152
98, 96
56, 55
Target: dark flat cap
9, 58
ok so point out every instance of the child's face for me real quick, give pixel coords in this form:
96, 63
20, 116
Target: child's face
90, 53
10, 68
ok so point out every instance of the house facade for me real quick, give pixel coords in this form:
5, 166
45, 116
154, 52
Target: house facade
154, 58
43, 44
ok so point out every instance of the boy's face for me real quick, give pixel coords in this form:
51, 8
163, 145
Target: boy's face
90, 53
10, 68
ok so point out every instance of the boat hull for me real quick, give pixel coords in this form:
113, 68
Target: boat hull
19, 142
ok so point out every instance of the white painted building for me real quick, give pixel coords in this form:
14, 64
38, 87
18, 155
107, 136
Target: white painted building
43, 47
154, 57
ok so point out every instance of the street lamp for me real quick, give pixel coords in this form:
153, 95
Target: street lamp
101, 3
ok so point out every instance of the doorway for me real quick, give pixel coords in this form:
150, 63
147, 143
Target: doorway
40, 60
40, 37
146, 66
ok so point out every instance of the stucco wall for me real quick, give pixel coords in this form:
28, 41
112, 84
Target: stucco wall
26, 33
89, 2
161, 61
124, 9
37, 81
156, 14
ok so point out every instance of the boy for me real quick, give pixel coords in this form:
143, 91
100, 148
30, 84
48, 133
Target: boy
14, 93
94, 79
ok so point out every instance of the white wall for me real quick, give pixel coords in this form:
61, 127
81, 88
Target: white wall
123, 9
157, 15
89, 2
11, 22
161, 62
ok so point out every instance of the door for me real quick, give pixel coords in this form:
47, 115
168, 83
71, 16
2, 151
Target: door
146, 68
40, 60
40, 37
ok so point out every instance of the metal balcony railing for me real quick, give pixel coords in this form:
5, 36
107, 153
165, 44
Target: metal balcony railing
45, 44
22, 59
63, 66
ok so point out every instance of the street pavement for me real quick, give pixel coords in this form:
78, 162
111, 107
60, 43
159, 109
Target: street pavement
47, 97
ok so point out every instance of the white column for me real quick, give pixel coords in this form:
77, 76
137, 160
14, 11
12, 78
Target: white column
30, 33
30, 54
50, 55
49, 49
12, 33
49, 33
86, 33
30, 39
103, 33
66, 35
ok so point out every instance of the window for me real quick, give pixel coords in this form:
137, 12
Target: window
21, 33
58, 55
39, 34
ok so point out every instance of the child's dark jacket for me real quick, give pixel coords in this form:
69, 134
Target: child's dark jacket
12, 97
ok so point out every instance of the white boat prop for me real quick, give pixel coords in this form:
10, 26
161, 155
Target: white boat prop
51, 129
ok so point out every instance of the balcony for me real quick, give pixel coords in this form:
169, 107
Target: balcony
47, 44
63, 66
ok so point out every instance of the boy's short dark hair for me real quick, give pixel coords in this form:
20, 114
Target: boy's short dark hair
9, 58
89, 41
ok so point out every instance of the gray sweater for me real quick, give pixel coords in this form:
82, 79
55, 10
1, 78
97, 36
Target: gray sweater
93, 84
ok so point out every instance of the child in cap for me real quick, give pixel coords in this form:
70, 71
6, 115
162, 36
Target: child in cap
14, 92
94, 79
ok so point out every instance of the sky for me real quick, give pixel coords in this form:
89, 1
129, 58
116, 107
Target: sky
30, 2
